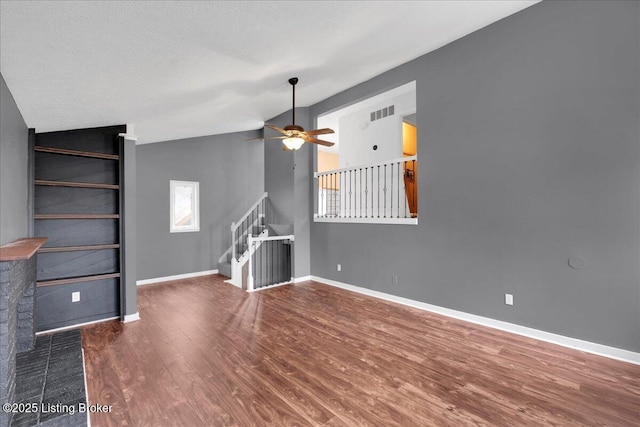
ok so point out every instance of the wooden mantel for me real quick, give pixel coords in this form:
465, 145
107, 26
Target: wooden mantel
21, 248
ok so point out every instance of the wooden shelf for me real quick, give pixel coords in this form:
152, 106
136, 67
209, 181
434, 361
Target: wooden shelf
77, 248
67, 152
81, 279
76, 184
76, 216
21, 248
79, 187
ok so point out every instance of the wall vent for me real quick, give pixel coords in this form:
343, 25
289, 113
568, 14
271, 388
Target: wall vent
382, 113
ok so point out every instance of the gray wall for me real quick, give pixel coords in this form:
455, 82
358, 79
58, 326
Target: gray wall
529, 155
128, 248
288, 180
231, 175
303, 213
278, 173
14, 221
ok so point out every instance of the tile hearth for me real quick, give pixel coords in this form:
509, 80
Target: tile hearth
52, 377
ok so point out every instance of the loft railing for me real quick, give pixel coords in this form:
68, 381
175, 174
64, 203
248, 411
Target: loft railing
269, 261
378, 193
252, 223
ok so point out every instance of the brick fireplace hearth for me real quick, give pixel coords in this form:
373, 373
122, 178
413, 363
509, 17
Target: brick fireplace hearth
17, 300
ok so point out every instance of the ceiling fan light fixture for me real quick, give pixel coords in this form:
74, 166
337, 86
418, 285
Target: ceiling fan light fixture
294, 136
293, 143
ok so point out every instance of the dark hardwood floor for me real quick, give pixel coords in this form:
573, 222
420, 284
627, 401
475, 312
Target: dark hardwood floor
208, 354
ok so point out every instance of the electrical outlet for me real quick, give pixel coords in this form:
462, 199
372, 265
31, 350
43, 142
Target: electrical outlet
394, 280
75, 296
339, 267
508, 299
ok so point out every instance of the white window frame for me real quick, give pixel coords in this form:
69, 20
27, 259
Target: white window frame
195, 207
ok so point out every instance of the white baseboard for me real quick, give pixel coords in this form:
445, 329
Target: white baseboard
301, 279
176, 277
86, 388
77, 325
131, 317
586, 346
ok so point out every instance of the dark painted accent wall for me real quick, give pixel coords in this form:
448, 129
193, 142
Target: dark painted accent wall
14, 185
31, 174
99, 299
231, 175
529, 152
288, 180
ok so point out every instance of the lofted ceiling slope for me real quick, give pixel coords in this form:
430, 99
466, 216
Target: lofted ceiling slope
179, 69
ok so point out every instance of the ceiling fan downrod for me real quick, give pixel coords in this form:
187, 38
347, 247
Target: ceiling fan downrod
293, 81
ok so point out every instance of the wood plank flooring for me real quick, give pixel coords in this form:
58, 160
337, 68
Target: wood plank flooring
208, 354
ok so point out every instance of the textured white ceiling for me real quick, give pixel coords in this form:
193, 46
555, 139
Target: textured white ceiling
178, 69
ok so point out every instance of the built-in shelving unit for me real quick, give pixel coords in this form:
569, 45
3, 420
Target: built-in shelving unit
76, 184
78, 153
77, 206
76, 216
77, 279
78, 248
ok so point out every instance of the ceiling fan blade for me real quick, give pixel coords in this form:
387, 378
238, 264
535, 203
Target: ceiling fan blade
277, 129
320, 131
270, 137
320, 142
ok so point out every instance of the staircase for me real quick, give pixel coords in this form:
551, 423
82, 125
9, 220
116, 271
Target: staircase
253, 224
224, 267
260, 253
225, 262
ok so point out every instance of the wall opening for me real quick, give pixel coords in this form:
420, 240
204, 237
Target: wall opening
370, 172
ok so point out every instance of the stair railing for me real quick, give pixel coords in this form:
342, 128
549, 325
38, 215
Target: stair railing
381, 192
240, 230
269, 261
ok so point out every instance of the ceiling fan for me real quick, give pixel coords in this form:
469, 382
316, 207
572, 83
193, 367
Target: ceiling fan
294, 136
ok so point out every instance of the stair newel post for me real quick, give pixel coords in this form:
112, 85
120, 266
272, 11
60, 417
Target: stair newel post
250, 244
233, 240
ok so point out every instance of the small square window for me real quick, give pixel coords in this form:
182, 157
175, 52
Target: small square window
185, 206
